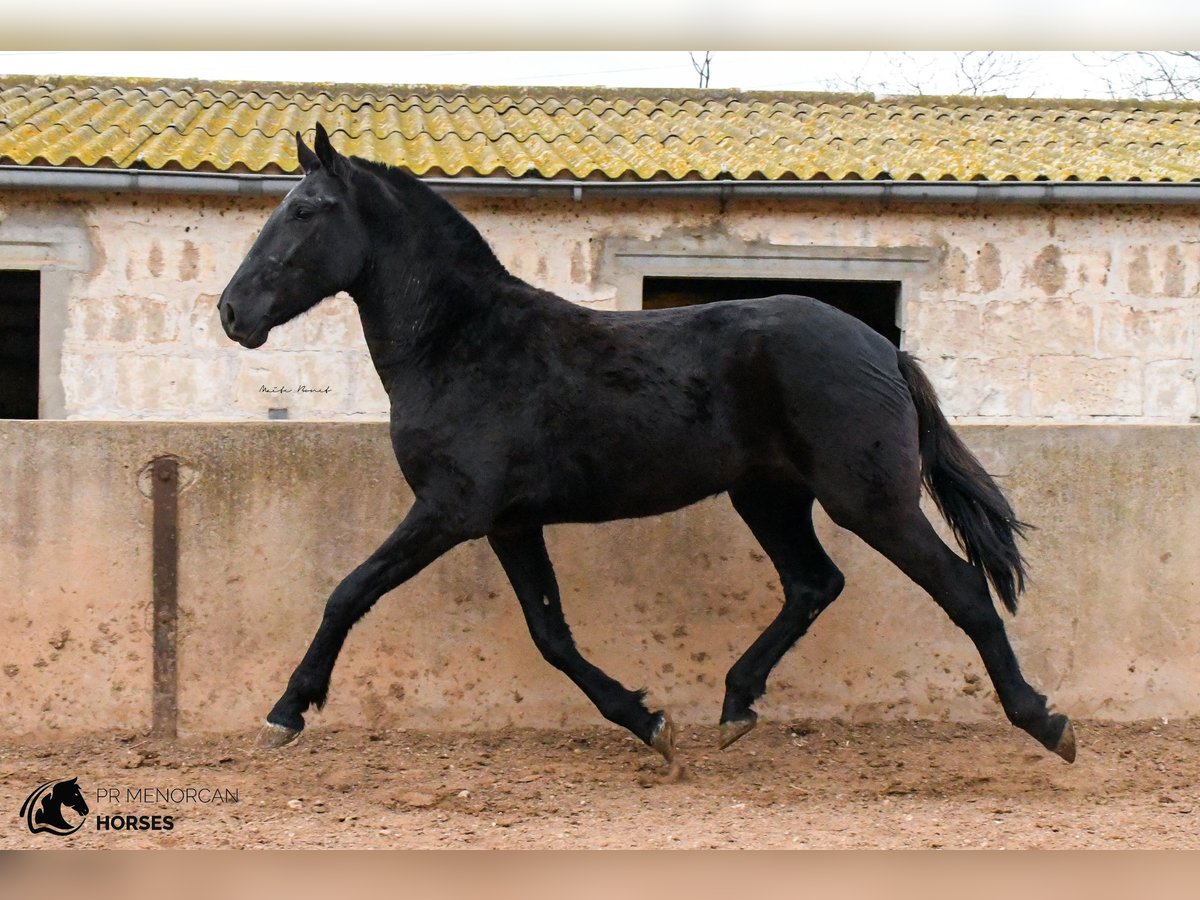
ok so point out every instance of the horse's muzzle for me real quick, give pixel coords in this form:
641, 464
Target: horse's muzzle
237, 328
227, 315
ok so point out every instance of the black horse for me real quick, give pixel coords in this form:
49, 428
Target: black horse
43, 809
512, 408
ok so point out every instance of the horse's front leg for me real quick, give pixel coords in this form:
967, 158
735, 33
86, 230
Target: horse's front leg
420, 539
522, 553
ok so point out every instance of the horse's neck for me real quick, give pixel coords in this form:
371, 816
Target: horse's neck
412, 310
389, 349
423, 287
49, 814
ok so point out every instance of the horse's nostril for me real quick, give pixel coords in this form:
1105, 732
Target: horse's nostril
227, 315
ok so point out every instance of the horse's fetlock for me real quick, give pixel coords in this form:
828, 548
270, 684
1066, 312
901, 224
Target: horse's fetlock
1029, 716
740, 695
309, 690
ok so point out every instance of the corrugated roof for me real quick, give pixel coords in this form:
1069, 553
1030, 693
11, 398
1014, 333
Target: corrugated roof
595, 132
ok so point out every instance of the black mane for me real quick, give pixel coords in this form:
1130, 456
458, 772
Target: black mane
452, 227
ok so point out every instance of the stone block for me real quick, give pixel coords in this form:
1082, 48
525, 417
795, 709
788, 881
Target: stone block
1137, 272
1035, 328
89, 382
981, 387
1089, 270
1175, 276
1161, 269
1170, 389
1163, 332
943, 328
989, 268
952, 272
161, 386
1047, 272
151, 319
1091, 282
1076, 387
89, 319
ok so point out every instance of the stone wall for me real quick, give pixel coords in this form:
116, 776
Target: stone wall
1026, 314
272, 515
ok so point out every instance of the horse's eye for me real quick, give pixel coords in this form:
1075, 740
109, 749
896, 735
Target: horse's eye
302, 212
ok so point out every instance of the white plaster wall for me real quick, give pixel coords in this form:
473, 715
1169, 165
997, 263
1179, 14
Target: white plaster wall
1029, 314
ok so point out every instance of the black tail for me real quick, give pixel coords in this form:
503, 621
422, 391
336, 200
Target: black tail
977, 511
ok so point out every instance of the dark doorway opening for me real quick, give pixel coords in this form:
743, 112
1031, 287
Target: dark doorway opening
20, 302
873, 302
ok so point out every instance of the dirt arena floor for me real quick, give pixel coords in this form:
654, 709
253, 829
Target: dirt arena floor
803, 784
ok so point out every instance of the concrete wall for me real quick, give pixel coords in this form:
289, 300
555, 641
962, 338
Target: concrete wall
1026, 314
271, 516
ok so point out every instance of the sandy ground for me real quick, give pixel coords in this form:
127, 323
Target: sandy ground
786, 785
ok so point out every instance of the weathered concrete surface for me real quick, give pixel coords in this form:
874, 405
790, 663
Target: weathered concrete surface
273, 515
74, 579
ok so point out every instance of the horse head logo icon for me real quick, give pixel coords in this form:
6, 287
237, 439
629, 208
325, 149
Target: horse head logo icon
43, 809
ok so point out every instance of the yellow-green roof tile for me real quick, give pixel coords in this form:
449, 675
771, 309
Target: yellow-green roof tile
594, 132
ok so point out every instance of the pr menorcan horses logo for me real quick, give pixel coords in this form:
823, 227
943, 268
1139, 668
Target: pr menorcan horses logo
43, 809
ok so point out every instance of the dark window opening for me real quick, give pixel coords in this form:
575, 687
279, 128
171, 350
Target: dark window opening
873, 302
20, 301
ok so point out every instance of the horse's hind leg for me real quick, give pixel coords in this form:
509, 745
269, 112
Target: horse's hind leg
523, 555
780, 517
906, 537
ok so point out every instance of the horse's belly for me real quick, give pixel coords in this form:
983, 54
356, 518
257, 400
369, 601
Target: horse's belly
639, 480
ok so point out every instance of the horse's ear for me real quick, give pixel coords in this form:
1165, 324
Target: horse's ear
330, 158
308, 159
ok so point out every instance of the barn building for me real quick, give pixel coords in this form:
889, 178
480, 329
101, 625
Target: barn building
1042, 259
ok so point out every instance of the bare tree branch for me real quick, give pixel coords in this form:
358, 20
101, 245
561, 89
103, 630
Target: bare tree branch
989, 72
971, 72
1154, 74
703, 68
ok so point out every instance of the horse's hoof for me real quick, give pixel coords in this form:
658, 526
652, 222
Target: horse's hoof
1066, 743
731, 731
273, 736
663, 737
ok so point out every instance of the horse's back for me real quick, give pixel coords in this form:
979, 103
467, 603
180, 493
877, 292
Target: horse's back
821, 357
778, 364
803, 384
826, 357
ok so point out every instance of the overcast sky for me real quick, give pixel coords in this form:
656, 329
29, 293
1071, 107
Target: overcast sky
1062, 74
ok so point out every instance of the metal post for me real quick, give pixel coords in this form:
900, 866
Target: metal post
165, 483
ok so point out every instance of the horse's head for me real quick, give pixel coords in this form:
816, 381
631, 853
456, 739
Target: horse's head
313, 245
67, 793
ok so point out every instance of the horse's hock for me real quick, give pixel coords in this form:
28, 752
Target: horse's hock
270, 516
